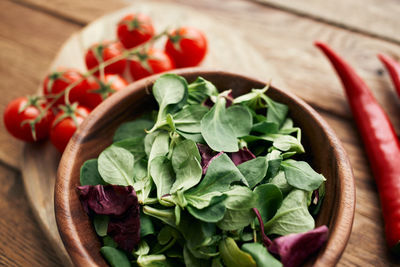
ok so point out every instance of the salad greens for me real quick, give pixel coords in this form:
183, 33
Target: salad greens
204, 183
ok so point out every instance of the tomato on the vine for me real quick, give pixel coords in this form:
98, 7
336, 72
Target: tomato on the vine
101, 89
56, 82
149, 62
187, 46
66, 123
20, 115
135, 29
102, 52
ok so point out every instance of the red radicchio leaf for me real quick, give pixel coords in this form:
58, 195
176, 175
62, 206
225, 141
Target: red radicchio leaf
205, 167
293, 249
315, 197
208, 103
121, 204
107, 200
229, 101
126, 230
267, 242
242, 155
206, 154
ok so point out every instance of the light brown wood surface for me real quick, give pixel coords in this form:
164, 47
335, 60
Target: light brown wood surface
32, 31
27, 49
373, 17
40, 162
21, 242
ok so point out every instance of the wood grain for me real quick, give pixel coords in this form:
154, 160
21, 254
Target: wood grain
282, 38
21, 242
40, 162
325, 153
374, 17
286, 42
78, 12
25, 60
279, 45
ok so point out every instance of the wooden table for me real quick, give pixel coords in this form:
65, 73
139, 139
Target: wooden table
31, 32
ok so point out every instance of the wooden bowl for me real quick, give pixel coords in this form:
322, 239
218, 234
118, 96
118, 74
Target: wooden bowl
323, 149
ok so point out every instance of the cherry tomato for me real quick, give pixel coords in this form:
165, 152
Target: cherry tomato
66, 123
19, 111
58, 81
100, 90
187, 46
150, 62
135, 29
103, 52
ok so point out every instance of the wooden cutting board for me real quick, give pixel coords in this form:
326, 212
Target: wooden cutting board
227, 51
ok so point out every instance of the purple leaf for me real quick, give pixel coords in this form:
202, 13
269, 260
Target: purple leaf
121, 204
208, 103
315, 197
126, 230
242, 155
294, 249
205, 167
267, 242
107, 200
206, 154
228, 97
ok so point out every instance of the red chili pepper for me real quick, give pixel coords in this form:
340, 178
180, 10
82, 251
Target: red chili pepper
394, 70
380, 141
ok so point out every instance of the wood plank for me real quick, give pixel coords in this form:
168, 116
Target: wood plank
375, 17
40, 162
30, 48
286, 41
303, 68
21, 242
290, 49
80, 12
366, 245
35, 54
